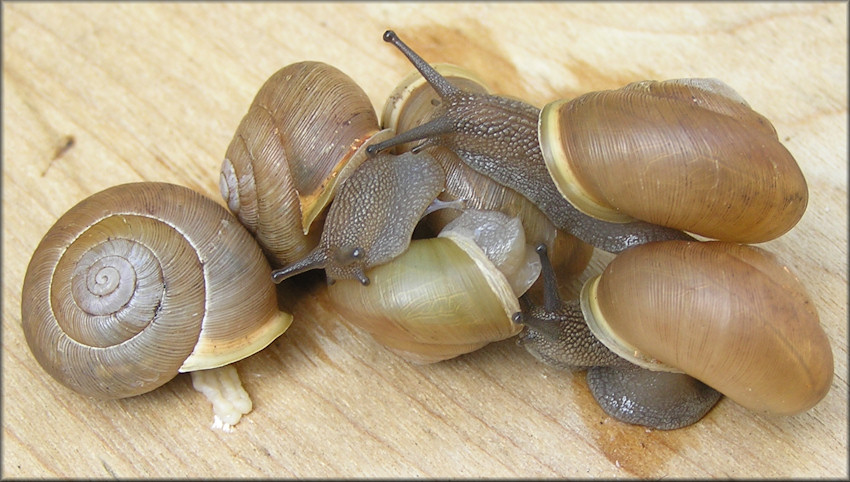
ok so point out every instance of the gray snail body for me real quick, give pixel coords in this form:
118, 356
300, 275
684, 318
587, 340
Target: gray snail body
372, 217
728, 315
516, 145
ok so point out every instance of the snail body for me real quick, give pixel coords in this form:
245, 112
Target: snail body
371, 220
303, 134
142, 281
726, 314
501, 138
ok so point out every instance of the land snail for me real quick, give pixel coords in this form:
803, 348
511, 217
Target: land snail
367, 232
142, 281
616, 168
730, 315
448, 295
525, 168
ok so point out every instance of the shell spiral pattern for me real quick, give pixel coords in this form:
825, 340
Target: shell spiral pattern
122, 291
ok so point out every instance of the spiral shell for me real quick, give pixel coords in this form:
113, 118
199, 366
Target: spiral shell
688, 154
141, 281
727, 314
304, 132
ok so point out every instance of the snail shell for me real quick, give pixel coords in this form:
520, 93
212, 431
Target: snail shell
688, 153
445, 296
141, 281
304, 132
727, 314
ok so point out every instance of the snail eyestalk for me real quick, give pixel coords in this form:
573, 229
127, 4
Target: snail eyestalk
427, 131
551, 298
443, 87
315, 260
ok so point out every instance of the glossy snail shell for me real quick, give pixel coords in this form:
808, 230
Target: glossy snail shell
304, 132
441, 298
141, 281
412, 103
688, 154
727, 314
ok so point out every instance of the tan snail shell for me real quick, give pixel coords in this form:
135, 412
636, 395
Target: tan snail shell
727, 314
688, 154
444, 296
141, 281
411, 104
305, 130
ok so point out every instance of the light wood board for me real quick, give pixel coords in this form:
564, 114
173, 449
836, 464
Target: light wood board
100, 94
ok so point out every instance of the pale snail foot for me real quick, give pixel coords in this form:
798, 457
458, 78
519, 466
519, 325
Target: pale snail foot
223, 389
437, 204
659, 400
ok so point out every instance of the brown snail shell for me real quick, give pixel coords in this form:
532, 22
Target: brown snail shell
688, 153
304, 132
730, 315
141, 281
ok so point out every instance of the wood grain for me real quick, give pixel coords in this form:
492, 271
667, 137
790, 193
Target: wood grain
100, 94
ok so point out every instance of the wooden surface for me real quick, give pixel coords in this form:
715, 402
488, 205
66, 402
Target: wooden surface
100, 94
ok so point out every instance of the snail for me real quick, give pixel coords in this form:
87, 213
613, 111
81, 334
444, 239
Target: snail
303, 134
721, 149
447, 295
372, 218
141, 281
729, 315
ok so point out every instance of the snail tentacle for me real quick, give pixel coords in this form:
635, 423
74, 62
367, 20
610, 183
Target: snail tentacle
316, 259
427, 131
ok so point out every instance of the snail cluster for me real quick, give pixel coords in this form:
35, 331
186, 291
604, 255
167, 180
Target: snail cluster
433, 223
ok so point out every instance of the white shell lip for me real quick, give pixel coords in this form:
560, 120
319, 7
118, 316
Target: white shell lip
206, 355
497, 281
549, 138
602, 331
